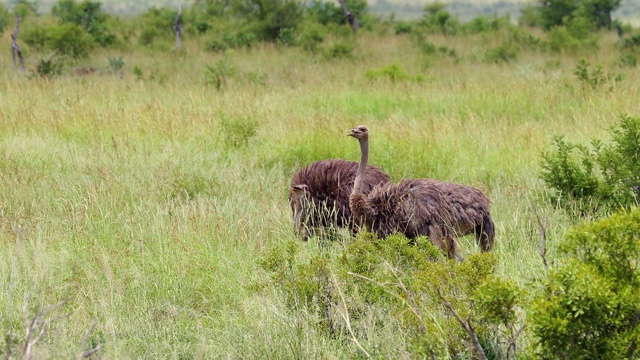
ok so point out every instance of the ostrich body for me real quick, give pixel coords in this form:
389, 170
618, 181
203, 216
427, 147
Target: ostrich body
319, 194
440, 210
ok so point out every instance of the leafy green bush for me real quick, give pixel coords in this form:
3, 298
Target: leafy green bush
49, 66
577, 34
116, 64
312, 36
231, 40
156, 23
340, 50
403, 28
588, 307
219, 73
4, 18
402, 283
501, 54
392, 72
88, 15
36, 37
438, 20
267, 18
325, 13
596, 78
605, 176
69, 39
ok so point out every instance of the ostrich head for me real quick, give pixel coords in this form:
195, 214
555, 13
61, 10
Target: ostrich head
300, 204
360, 132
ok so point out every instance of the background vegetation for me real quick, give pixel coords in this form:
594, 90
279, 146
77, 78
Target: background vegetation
143, 210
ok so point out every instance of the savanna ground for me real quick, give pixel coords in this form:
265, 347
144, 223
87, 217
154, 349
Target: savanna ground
148, 202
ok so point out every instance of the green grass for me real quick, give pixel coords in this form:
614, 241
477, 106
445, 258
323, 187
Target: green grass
127, 198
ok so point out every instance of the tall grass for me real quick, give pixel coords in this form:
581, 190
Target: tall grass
126, 197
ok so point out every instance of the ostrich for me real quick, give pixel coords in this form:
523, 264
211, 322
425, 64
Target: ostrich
319, 194
440, 210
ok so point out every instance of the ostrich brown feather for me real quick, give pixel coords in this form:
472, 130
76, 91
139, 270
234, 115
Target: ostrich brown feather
440, 210
319, 194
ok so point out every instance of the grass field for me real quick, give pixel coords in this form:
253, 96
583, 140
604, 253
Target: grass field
146, 203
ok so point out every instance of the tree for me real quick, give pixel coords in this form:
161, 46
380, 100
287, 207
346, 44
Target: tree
24, 8
88, 15
269, 17
559, 12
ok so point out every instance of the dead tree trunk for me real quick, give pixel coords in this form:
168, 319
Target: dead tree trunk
14, 45
353, 22
177, 27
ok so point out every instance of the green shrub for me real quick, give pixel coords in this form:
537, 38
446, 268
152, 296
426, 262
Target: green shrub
156, 23
69, 39
392, 72
116, 64
437, 20
578, 34
4, 18
401, 283
588, 307
219, 74
88, 15
49, 66
36, 37
596, 78
312, 36
403, 28
340, 50
605, 176
501, 54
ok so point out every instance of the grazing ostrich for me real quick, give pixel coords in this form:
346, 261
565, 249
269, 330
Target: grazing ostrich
440, 210
319, 194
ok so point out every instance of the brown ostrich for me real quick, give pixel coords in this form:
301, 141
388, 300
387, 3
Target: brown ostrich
319, 194
440, 210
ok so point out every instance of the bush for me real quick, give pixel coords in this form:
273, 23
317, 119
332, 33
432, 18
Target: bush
36, 37
326, 13
596, 78
312, 36
89, 16
267, 18
501, 54
49, 66
392, 72
69, 39
156, 23
588, 307
578, 34
399, 284
603, 177
4, 18
219, 73
340, 50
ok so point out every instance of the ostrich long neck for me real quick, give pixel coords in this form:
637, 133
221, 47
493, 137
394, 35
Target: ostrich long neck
364, 158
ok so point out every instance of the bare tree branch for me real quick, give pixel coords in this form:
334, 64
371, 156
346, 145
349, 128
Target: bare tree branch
36, 326
512, 342
466, 325
543, 238
353, 22
15, 48
85, 354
